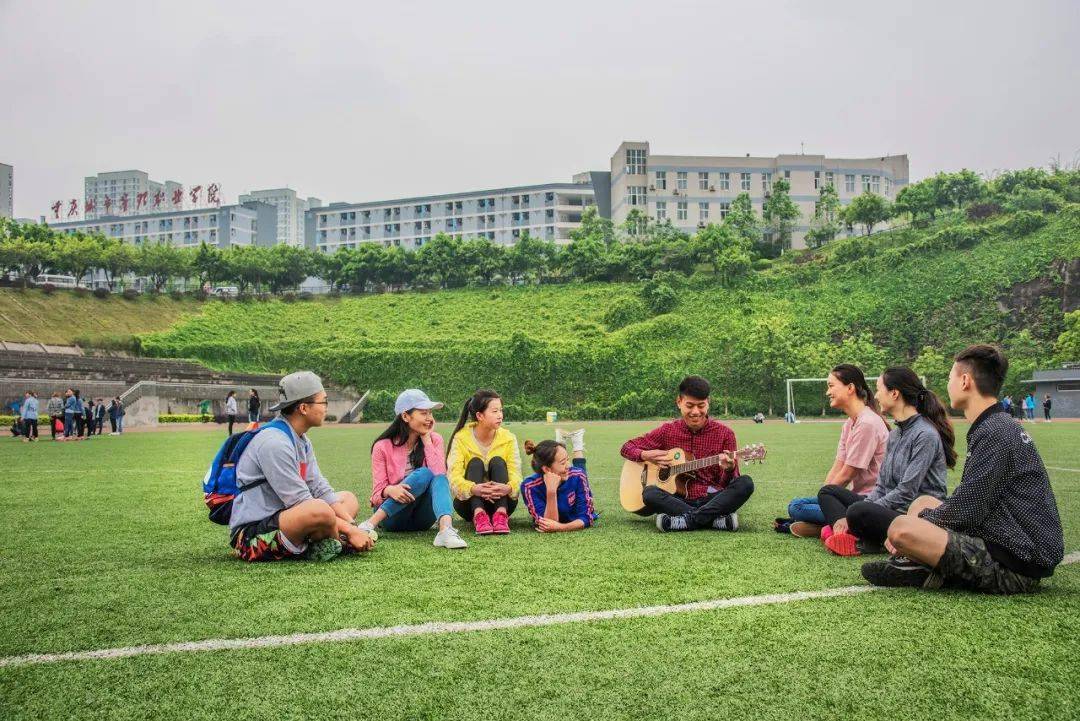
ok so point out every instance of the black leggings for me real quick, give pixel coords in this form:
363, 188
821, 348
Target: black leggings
870, 521
496, 472
231, 419
30, 427
834, 502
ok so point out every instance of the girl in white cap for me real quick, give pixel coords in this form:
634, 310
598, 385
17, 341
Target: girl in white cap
410, 490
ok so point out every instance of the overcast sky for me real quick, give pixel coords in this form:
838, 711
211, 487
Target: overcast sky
364, 101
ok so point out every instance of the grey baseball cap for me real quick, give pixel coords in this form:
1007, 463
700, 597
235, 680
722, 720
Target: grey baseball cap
297, 386
414, 398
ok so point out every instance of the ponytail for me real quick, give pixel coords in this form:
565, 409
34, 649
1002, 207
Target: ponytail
925, 401
851, 375
543, 453
478, 403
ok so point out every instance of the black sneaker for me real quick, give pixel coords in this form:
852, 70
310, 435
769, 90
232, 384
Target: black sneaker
869, 548
897, 572
730, 522
666, 523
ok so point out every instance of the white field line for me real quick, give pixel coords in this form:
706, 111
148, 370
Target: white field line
441, 627
1059, 468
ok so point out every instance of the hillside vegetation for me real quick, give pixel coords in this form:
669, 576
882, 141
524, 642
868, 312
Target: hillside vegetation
910, 296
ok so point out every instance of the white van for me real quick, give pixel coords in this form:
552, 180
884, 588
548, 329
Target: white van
60, 281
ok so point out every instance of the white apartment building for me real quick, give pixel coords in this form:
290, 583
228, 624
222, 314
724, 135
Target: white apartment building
694, 190
105, 194
290, 209
548, 211
252, 223
7, 191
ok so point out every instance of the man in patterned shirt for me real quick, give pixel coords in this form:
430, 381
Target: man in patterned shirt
1000, 531
713, 494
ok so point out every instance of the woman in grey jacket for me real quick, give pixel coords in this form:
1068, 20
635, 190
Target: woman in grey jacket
55, 409
920, 450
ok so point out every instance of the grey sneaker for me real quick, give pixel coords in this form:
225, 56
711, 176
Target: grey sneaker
730, 522
368, 529
323, 550
898, 571
449, 538
666, 523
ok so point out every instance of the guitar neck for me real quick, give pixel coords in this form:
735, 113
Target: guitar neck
700, 463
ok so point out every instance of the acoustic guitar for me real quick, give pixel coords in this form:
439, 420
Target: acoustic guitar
636, 476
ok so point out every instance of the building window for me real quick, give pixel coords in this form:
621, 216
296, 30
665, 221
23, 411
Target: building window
866, 183
817, 179
703, 211
829, 178
744, 181
725, 181
703, 181
725, 208
680, 180
635, 161
661, 210
637, 194
787, 175
766, 182
661, 180
888, 186
849, 183
681, 210
875, 184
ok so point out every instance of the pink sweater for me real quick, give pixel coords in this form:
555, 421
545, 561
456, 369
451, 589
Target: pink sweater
388, 464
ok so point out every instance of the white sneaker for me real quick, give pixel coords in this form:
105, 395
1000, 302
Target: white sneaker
576, 438
449, 538
368, 529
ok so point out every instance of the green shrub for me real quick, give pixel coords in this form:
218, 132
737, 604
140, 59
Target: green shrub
101, 293
185, 418
659, 297
625, 312
130, 294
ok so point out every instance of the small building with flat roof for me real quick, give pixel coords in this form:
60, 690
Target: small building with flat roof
1063, 387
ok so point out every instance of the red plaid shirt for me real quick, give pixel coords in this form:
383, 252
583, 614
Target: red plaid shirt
714, 438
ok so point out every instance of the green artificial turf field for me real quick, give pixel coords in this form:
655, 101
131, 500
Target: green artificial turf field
105, 544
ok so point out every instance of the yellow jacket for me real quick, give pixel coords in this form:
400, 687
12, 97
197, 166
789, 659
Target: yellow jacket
464, 448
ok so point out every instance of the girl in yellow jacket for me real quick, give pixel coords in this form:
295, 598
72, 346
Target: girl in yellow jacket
484, 465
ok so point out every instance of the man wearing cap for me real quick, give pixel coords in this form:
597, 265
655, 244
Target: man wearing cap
410, 491
287, 508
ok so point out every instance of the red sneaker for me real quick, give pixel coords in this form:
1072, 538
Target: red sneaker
842, 544
500, 523
482, 521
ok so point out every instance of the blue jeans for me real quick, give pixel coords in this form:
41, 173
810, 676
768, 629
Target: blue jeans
806, 509
69, 424
432, 502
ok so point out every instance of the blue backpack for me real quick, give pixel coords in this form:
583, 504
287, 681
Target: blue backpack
220, 487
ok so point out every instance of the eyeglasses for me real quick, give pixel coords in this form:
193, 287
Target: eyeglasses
317, 403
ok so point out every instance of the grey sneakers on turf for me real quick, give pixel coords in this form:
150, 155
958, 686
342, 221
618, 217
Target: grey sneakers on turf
449, 538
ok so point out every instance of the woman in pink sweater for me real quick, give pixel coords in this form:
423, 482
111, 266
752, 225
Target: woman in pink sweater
410, 490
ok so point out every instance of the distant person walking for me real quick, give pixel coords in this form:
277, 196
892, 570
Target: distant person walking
230, 409
1029, 406
254, 404
88, 416
80, 415
116, 415
1007, 404
1047, 404
71, 403
29, 414
99, 416
55, 409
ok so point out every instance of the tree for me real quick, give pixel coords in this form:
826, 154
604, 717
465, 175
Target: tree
1067, 347
868, 210
727, 252
210, 265
117, 258
439, 262
918, 199
826, 222
779, 213
595, 227
161, 262
288, 266
77, 254
742, 219
959, 189
25, 255
484, 260
362, 265
248, 266
585, 259
530, 257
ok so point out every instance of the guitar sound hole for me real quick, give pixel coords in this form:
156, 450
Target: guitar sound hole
664, 473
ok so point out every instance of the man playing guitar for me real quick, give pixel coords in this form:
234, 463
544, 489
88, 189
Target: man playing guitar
713, 494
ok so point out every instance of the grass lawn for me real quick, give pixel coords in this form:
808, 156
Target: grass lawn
106, 544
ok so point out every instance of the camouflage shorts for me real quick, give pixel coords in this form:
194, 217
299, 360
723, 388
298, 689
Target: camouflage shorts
967, 564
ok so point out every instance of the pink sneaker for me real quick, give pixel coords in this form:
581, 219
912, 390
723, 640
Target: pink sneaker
482, 522
826, 533
500, 523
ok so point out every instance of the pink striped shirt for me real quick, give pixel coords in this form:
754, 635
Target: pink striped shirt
388, 464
